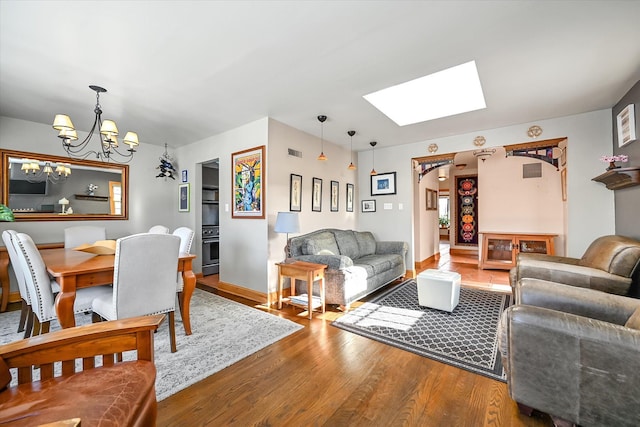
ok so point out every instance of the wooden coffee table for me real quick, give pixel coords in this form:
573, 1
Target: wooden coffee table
301, 270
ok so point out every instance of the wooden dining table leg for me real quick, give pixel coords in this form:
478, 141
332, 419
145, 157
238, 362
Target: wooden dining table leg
65, 300
189, 280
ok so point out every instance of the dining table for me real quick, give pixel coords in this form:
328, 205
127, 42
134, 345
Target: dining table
74, 270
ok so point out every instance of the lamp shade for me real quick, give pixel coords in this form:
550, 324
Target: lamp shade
287, 222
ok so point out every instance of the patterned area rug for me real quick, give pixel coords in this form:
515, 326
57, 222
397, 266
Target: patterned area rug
465, 338
224, 332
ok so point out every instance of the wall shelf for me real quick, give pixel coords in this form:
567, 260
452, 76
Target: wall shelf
615, 179
94, 198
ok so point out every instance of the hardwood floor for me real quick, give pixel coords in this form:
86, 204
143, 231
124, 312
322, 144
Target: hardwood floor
324, 376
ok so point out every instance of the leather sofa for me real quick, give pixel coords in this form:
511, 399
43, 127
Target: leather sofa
610, 264
114, 394
357, 263
573, 353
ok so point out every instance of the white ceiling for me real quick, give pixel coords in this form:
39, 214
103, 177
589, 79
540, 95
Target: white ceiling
179, 71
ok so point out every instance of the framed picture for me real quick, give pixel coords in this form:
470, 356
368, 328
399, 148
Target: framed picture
368, 206
247, 169
334, 195
184, 176
383, 183
349, 197
626, 124
183, 197
563, 183
316, 199
432, 199
295, 193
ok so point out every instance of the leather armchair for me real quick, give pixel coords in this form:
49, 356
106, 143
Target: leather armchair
610, 264
41, 391
573, 353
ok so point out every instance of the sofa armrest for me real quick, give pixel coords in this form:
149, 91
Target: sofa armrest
575, 275
333, 262
392, 248
523, 256
594, 363
579, 301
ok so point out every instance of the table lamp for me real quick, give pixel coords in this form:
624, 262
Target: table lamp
287, 222
63, 202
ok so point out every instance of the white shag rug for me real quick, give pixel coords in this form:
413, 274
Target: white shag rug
224, 332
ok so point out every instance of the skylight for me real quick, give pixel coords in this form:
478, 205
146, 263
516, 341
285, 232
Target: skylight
445, 93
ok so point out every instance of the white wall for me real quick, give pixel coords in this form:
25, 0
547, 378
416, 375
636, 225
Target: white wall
243, 242
426, 236
589, 206
509, 203
282, 165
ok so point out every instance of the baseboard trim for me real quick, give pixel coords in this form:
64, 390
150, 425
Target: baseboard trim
242, 292
420, 265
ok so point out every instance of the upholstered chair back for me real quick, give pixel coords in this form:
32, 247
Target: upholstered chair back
83, 234
159, 229
186, 238
10, 240
144, 279
36, 278
614, 254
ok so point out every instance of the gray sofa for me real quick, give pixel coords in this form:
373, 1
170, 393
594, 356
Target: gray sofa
357, 263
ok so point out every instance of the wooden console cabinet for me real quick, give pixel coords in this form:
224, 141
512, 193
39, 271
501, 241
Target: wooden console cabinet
500, 250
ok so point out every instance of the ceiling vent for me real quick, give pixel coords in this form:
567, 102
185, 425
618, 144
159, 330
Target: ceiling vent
294, 153
532, 170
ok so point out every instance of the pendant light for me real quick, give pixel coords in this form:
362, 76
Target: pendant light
322, 119
373, 158
351, 165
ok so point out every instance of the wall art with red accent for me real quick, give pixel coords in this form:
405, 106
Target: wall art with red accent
466, 210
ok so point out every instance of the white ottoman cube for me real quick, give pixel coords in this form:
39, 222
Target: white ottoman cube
439, 289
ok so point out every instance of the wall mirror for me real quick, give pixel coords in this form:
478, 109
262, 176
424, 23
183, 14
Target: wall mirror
42, 187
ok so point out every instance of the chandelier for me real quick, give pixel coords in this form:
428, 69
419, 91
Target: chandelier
52, 172
108, 136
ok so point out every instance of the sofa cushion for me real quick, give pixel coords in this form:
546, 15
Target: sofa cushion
634, 320
322, 244
366, 243
347, 243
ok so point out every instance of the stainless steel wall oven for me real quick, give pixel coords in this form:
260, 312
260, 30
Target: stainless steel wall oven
210, 250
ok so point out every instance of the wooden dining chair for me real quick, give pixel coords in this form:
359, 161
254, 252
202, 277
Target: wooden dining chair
39, 286
186, 240
78, 377
81, 234
159, 229
144, 280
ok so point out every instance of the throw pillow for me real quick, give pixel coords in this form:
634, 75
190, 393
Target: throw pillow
634, 321
347, 243
325, 245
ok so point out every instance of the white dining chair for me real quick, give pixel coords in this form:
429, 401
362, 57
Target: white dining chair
39, 286
26, 315
186, 240
81, 234
159, 229
143, 280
